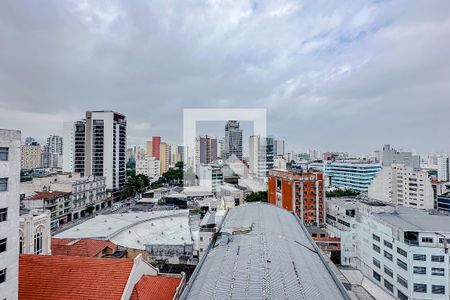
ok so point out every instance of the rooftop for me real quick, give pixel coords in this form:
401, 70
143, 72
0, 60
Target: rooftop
155, 287
47, 195
268, 256
71, 277
411, 219
135, 230
83, 247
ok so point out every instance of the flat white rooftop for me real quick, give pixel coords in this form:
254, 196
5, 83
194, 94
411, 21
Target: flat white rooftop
135, 230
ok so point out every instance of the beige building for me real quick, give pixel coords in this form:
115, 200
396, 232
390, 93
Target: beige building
31, 156
34, 233
164, 157
149, 149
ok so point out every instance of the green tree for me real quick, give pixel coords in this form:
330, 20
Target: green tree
256, 197
342, 193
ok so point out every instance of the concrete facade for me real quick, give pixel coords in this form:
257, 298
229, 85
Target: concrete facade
9, 212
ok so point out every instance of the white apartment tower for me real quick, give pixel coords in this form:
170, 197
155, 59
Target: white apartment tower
443, 168
106, 138
148, 166
261, 155
9, 212
74, 142
403, 186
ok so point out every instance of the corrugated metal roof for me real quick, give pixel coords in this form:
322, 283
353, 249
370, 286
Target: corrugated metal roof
275, 260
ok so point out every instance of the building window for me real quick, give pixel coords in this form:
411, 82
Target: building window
376, 248
3, 214
2, 245
376, 237
427, 240
421, 257
437, 258
435, 289
388, 271
420, 270
3, 184
402, 281
376, 262
402, 264
38, 242
388, 255
2, 275
4, 151
387, 244
401, 296
437, 271
376, 276
402, 252
20, 244
388, 285
420, 288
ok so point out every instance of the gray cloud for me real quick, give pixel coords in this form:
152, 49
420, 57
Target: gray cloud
347, 75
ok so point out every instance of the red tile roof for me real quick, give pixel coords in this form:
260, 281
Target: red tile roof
47, 195
155, 288
83, 247
71, 277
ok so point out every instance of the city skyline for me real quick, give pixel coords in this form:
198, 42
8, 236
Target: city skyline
359, 73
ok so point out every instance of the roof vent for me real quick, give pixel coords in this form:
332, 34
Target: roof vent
109, 228
162, 232
129, 231
152, 224
105, 221
138, 241
171, 219
181, 225
78, 229
182, 238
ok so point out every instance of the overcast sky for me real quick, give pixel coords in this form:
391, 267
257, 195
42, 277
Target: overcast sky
333, 75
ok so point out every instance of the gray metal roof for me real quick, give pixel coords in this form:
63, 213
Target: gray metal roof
275, 260
406, 219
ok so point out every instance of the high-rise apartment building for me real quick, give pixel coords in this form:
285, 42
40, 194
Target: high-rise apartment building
52, 154
106, 137
443, 168
149, 149
164, 155
233, 140
403, 186
31, 156
9, 212
299, 192
206, 149
392, 156
261, 155
156, 140
74, 147
279, 149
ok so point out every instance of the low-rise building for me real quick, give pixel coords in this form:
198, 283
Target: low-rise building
34, 232
229, 190
403, 250
57, 202
87, 194
263, 252
82, 247
74, 277
162, 237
